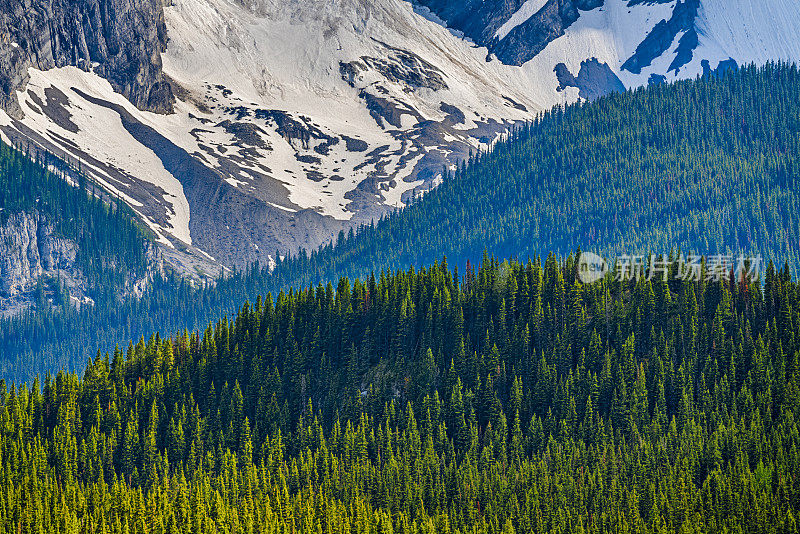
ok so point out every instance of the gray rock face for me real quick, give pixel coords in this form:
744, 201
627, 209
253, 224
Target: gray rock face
594, 79
120, 39
29, 249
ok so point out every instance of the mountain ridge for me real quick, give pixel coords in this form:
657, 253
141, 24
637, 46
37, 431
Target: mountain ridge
315, 116
122, 40
714, 174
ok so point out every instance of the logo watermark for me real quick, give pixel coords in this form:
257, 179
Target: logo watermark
591, 267
692, 268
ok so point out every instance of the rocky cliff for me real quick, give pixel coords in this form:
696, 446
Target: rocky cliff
121, 40
31, 250
28, 250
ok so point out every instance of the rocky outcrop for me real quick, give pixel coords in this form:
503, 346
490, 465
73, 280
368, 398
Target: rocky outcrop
663, 35
30, 249
594, 79
397, 66
480, 19
121, 40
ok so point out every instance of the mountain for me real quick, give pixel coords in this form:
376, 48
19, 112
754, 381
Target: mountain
638, 40
708, 166
378, 366
239, 131
510, 399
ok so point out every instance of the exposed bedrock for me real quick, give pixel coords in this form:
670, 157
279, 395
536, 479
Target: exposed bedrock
121, 40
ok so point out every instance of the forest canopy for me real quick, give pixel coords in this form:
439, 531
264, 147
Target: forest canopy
511, 398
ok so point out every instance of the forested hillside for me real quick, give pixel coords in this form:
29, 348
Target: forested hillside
110, 252
708, 165
111, 246
508, 399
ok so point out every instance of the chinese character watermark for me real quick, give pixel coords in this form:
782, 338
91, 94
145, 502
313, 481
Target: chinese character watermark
689, 268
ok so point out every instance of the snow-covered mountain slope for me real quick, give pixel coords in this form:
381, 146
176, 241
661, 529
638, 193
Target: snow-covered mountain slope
636, 41
295, 119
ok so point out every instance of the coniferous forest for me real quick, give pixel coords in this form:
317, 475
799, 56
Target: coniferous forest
408, 378
707, 165
110, 243
510, 398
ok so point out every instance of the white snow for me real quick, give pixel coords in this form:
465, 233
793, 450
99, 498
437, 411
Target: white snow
284, 208
750, 31
393, 196
5, 120
609, 33
101, 134
286, 56
528, 9
745, 30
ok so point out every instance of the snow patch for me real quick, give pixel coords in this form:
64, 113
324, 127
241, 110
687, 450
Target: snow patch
284, 208
5, 120
611, 33
749, 31
110, 143
528, 9
286, 56
394, 196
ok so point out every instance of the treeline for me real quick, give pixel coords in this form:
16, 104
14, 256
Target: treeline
508, 399
708, 165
